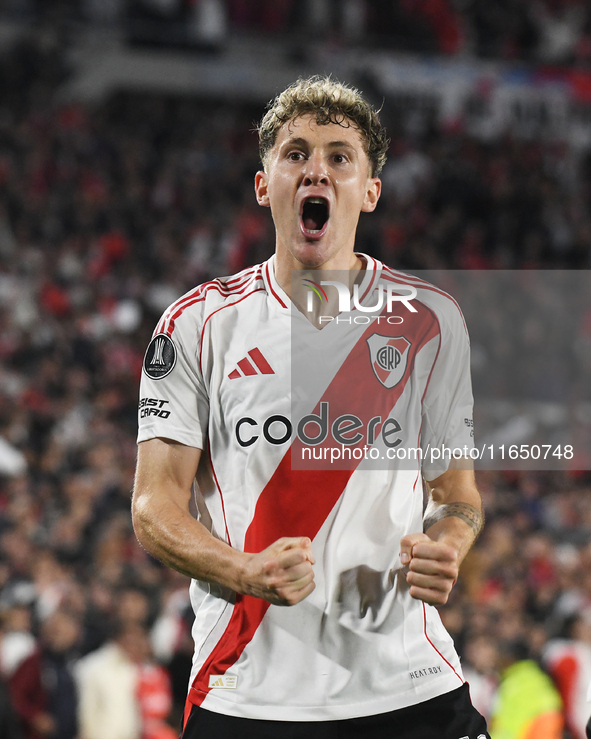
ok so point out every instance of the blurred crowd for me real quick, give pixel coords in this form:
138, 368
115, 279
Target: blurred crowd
524, 599
546, 31
109, 214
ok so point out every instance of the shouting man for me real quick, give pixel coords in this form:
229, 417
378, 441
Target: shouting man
314, 588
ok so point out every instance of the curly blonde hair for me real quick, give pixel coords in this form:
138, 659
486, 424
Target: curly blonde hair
330, 102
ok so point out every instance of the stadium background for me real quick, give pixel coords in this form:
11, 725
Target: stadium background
127, 157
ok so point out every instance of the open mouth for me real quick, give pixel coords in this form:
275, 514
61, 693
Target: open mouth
314, 216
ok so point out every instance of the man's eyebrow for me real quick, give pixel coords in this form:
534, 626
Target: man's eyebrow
295, 141
341, 145
304, 143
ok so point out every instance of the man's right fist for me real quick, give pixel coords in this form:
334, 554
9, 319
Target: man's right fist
282, 573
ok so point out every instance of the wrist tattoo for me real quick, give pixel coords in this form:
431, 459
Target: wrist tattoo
467, 513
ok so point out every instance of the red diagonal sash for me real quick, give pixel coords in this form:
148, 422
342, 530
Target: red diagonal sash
297, 502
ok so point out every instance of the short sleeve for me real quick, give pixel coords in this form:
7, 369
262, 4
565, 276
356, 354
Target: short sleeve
174, 402
448, 425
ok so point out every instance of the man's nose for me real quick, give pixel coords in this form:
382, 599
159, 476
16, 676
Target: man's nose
315, 172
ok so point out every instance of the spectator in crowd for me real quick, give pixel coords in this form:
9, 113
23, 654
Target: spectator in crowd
155, 699
479, 667
528, 705
123, 692
569, 663
17, 643
42, 686
30, 700
9, 725
108, 685
60, 636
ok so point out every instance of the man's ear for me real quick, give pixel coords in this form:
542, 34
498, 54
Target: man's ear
372, 195
261, 182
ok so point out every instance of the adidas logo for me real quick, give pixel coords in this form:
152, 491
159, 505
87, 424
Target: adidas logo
253, 364
223, 681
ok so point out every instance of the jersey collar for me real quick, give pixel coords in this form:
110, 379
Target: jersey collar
370, 279
274, 289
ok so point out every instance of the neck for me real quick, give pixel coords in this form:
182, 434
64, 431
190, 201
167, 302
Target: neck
285, 267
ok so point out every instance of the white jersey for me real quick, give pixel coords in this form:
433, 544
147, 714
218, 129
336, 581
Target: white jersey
217, 377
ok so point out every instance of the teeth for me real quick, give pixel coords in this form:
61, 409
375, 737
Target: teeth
320, 201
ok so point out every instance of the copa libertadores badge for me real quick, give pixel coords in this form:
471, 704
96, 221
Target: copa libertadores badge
160, 357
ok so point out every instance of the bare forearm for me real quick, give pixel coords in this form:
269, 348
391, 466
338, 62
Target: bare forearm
454, 514
282, 573
173, 536
452, 521
457, 524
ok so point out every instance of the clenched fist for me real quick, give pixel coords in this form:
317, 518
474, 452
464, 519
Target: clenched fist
282, 573
432, 568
